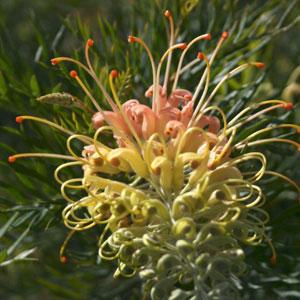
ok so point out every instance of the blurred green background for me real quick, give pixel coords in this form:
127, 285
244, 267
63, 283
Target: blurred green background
32, 32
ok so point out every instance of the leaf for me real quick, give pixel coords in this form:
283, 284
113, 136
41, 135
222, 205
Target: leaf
34, 86
21, 256
20, 238
7, 148
3, 255
66, 293
25, 216
3, 85
5, 227
18, 241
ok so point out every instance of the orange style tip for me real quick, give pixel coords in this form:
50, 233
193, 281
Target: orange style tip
225, 35
115, 162
200, 56
288, 106
54, 61
131, 39
11, 159
73, 74
168, 14
114, 73
273, 261
260, 65
63, 259
182, 46
194, 164
207, 36
19, 119
157, 171
90, 42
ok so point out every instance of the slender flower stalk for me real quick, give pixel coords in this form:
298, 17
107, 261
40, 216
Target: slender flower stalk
168, 54
206, 36
169, 15
185, 207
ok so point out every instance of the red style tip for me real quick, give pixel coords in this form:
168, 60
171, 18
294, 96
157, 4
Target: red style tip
54, 61
225, 35
207, 36
288, 106
260, 65
114, 73
11, 159
73, 74
273, 260
63, 259
168, 14
131, 39
19, 119
200, 56
90, 42
182, 46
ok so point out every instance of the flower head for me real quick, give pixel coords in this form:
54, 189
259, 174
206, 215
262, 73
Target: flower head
185, 204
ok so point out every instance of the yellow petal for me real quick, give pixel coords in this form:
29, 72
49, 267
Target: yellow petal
163, 168
128, 160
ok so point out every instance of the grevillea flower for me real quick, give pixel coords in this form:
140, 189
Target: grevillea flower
184, 206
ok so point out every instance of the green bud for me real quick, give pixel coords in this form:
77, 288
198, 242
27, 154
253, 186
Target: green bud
147, 274
62, 99
185, 247
167, 262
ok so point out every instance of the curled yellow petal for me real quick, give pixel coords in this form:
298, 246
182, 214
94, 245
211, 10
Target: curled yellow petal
162, 167
128, 160
185, 227
184, 205
153, 207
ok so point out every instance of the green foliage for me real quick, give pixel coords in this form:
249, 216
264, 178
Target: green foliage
31, 229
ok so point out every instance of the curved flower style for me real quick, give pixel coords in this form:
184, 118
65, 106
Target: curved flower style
176, 205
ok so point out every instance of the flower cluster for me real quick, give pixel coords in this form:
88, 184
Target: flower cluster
175, 204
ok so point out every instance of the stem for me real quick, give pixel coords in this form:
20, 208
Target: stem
117, 100
189, 45
229, 75
172, 37
93, 75
155, 104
